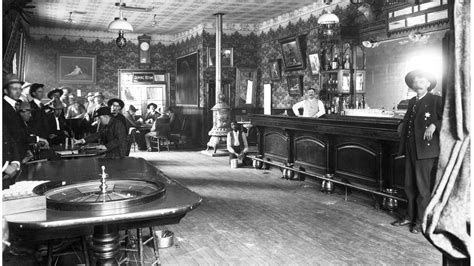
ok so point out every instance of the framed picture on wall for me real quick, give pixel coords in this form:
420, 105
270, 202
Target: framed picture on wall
275, 69
227, 59
295, 85
77, 69
293, 55
314, 63
187, 80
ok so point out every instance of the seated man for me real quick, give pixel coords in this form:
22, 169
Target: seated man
161, 127
112, 134
152, 113
130, 118
237, 143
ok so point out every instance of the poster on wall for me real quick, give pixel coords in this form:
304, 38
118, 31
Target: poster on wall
77, 69
187, 80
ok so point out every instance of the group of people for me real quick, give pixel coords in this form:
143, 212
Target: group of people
32, 127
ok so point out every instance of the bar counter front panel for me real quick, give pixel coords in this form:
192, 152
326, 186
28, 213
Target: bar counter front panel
360, 150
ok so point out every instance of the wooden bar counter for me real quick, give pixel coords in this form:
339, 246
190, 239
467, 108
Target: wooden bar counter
360, 150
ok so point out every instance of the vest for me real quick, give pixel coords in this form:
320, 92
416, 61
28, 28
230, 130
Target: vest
241, 140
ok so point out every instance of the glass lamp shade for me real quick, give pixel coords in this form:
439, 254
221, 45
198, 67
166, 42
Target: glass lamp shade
121, 41
328, 18
120, 24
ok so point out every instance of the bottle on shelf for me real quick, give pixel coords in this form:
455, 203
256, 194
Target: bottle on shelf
347, 62
363, 101
335, 62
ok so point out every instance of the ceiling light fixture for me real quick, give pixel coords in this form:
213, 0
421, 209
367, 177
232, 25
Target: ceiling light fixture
328, 22
69, 21
120, 25
154, 23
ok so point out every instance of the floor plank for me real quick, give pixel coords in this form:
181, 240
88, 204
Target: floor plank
252, 216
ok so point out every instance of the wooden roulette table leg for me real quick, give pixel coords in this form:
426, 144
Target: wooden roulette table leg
106, 244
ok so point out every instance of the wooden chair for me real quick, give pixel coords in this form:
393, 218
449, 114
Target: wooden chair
175, 137
162, 138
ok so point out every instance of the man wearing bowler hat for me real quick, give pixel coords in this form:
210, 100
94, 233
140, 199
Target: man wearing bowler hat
113, 135
116, 105
419, 131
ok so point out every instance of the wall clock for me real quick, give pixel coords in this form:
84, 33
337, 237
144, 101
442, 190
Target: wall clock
144, 51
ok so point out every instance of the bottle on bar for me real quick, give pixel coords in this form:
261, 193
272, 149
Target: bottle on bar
347, 63
335, 62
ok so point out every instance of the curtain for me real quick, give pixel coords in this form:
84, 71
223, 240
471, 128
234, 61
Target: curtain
446, 223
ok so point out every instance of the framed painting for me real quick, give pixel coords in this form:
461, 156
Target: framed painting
187, 80
77, 69
275, 70
293, 55
227, 59
245, 87
295, 85
314, 63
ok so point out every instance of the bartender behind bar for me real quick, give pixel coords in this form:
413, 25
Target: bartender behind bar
312, 106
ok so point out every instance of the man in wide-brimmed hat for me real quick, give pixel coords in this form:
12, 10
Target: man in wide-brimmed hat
419, 131
113, 134
116, 105
152, 113
58, 128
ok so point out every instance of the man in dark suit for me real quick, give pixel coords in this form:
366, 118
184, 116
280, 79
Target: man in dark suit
15, 143
116, 105
419, 131
38, 122
58, 128
113, 135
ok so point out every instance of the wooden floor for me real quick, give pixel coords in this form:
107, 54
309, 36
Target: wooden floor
252, 217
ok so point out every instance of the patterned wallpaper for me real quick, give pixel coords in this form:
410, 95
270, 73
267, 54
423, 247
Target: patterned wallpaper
41, 62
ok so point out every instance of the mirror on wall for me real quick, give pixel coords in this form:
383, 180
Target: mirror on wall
245, 87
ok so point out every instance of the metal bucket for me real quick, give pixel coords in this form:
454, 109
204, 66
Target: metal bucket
234, 163
165, 238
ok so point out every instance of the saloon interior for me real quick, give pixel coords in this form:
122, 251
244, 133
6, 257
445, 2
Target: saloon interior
303, 191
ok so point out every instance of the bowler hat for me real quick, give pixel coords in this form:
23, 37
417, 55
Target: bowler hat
56, 90
421, 74
132, 108
25, 106
11, 79
115, 100
152, 104
103, 111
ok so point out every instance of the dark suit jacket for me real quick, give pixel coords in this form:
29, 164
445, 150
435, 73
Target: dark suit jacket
63, 126
14, 128
430, 109
114, 137
39, 122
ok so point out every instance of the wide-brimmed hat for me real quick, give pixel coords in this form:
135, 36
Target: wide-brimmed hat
422, 74
11, 79
105, 110
132, 108
116, 100
152, 104
25, 106
56, 90
90, 94
98, 94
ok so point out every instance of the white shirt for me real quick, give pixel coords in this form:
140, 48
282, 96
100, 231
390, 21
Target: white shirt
10, 101
311, 108
57, 123
38, 102
236, 141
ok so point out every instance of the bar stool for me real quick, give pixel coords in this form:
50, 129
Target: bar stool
140, 245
